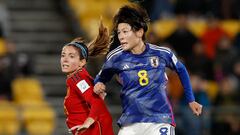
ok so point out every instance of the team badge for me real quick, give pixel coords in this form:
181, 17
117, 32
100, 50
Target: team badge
83, 86
154, 61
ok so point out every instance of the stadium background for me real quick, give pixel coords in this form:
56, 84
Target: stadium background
205, 34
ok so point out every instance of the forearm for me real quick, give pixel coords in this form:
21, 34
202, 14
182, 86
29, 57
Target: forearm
104, 75
88, 122
80, 128
97, 105
185, 81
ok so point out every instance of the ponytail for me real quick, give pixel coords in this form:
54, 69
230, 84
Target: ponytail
100, 45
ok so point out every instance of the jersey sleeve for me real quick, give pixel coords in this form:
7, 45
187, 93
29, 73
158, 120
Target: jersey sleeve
96, 105
174, 64
107, 71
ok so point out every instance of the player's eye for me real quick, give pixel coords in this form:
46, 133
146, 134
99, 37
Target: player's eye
71, 56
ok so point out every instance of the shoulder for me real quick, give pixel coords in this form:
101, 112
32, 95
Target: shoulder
78, 76
160, 49
114, 53
81, 79
73, 78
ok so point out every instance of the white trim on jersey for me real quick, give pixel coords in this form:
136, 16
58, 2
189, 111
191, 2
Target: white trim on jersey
166, 77
164, 49
160, 47
114, 52
174, 59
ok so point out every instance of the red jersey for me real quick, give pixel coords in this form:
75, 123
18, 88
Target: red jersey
81, 102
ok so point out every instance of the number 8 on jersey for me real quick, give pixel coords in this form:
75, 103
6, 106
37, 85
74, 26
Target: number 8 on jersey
143, 77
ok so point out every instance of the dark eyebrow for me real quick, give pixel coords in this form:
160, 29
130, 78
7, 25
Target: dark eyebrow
124, 28
72, 53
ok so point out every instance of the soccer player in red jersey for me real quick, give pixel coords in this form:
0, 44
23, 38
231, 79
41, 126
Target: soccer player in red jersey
86, 111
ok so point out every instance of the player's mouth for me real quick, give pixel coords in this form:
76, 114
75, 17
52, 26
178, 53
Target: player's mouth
64, 66
124, 44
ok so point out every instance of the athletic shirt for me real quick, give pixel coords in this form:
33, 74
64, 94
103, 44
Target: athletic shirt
81, 102
144, 80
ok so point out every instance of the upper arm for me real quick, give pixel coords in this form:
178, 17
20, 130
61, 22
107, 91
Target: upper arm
170, 58
108, 69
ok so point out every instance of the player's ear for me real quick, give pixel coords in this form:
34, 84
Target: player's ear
82, 63
140, 33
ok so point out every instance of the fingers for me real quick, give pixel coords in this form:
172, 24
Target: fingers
196, 113
198, 110
99, 88
78, 128
73, 128
103, 95
98, 91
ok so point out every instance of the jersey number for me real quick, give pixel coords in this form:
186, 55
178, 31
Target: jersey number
163, 131
143, 77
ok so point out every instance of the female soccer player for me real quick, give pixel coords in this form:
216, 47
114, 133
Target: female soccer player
86, 112
141, 69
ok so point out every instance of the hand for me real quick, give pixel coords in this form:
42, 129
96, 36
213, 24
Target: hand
196, 108
103, 95
81, 128
78, 128
99, 88
73, 128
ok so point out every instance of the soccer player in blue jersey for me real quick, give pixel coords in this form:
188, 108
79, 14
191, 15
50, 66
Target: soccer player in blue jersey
141, 69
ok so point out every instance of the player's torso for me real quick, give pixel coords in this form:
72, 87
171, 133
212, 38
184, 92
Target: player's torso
144, 86
143, 76
74, 102
141, 71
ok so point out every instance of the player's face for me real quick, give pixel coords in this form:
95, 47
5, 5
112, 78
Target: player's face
128, 38
70, 59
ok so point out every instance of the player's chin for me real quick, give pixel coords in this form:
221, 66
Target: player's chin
64, 70
125, 48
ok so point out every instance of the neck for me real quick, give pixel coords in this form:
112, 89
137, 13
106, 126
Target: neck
139, 48
74, 72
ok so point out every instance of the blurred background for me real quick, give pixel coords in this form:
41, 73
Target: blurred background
204, 34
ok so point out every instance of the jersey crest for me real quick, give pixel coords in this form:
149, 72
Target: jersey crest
154, 61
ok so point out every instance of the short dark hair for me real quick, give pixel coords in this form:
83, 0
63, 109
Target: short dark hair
133, 15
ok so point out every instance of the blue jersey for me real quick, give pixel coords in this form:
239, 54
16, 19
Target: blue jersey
144, 80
